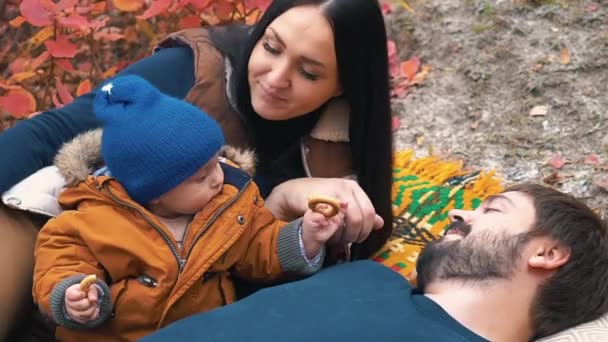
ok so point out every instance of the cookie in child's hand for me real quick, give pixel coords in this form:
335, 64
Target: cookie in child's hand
327, 206
87, 282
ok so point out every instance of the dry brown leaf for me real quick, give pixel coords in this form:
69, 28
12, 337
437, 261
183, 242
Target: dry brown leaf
539, 111
564, 56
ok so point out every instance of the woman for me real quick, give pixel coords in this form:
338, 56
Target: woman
307, 87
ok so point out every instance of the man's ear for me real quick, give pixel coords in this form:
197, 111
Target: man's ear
549, 254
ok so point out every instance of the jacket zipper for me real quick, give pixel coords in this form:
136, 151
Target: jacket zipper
181, 262
214, 217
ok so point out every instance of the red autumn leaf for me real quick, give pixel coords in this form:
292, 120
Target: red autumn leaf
223, 9
386, 8
18, 65
85, 66
190, 21
43, 57
200, 4
157, 7
410, 67
84, 87
399, 91
74, 21
65, 64
98, 8
63, 92
61, 48
35, 13
56, 101
260, 4
557, 161
18, 102
396, 123
592, 159
63, 4
592, 7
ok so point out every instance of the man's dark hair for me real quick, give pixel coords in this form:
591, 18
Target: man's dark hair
578, 291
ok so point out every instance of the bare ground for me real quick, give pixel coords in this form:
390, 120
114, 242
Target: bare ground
492, 62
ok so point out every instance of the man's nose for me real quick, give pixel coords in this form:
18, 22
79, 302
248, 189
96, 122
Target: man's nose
461, 215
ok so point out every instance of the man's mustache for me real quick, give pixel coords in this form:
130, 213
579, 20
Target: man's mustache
460, 226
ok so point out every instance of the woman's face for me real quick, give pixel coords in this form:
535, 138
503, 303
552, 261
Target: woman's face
293, 68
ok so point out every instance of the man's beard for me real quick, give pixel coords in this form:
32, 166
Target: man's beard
478, 257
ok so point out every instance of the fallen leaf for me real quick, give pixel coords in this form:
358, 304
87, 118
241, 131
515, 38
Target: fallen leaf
539, 111
17, 21
37, 62
110, 72
224, 9
557, 161
537, 67
421, 76
475, 125
592, 7
74, 21
552, 179
564, 56
419, 139
601, 181
410, 67
18, 103
203, 4
396, 123
592, 159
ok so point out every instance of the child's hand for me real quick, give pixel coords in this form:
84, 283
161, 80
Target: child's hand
81, 306
317, 229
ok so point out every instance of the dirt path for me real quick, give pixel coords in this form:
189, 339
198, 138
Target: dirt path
493, 62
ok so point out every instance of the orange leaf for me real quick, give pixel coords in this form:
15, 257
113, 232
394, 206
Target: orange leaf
19, 77
18, 65
18, 102
410, 67
110, 72
65, 64
17, 22
128, 5
421, 76
84, 87
42, 35
557, 161
156, 8
190, 21
63, 92
98, 8
35, 12
61, 48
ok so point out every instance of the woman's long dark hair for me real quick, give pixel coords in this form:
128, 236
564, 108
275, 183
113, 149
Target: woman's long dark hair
362, 59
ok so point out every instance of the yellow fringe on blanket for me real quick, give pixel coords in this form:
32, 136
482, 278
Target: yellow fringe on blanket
424, 190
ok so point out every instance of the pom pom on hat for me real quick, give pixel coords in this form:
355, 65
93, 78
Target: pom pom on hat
152, 142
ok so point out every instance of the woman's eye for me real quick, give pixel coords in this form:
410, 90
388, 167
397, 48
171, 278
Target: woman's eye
308, 75
270, 49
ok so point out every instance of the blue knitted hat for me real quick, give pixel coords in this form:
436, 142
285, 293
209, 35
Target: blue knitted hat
152, 142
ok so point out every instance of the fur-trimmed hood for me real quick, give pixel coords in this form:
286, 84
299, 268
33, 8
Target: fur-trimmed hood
82, 156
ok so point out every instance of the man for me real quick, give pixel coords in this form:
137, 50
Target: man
526, 264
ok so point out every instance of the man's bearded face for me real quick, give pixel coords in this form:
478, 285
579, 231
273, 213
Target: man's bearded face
465, 255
